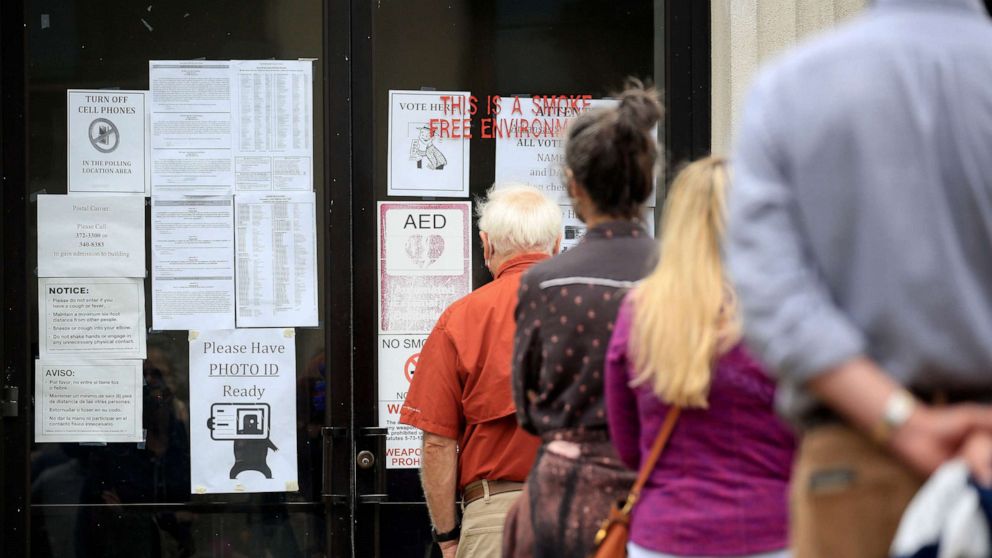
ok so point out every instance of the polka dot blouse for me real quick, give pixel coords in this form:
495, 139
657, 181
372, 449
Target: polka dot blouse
565, 316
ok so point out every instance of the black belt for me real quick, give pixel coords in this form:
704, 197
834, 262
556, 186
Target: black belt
822, 415
941, 396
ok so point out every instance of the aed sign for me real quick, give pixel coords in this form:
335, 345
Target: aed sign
425, 243
425, 262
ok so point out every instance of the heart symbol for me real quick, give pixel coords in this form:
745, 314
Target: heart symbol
435, 247
414, 247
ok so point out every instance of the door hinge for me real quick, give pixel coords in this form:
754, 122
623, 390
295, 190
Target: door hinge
8, 402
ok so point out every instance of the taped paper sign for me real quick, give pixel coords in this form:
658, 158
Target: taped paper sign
420, 162
276, 250
108, 141
242, 411
530, 143
91, 236
193, 262
91, 318
398, 355
221, 127
573, 229
88, 401
425, 262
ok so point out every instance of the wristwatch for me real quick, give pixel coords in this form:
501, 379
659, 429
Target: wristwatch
451, 535
898, 408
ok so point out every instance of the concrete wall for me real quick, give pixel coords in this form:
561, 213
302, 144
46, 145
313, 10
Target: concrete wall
747, 32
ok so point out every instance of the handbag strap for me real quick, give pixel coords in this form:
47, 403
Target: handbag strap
656, 450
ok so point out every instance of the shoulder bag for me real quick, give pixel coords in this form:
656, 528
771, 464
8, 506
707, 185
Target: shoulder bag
611, 540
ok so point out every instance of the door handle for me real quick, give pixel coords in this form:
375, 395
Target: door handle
365, 459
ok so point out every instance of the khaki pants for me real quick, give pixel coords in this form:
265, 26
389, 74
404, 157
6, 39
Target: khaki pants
482, 526
848, 495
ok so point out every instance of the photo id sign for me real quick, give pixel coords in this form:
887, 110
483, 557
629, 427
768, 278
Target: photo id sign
243, 411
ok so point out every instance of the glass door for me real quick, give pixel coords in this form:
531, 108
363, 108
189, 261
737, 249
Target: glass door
489, 49
81, 500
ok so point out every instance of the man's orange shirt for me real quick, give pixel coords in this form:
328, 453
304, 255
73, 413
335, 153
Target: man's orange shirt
462, 389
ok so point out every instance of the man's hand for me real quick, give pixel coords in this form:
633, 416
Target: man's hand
932, 436
448, 549
977, 453
858, 390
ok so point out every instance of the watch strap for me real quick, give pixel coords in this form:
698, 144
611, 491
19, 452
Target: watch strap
898, 408
452, 535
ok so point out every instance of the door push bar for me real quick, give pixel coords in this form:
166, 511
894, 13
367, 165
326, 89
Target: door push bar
370, 465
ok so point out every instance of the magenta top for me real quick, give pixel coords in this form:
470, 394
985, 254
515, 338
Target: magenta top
720, 487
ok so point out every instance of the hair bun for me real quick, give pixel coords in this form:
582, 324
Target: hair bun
639, 106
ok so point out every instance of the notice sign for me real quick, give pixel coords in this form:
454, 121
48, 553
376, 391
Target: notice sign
398, 356
243, 411
220, 127
190, 111
272, 105
420, 161
91, 236
276, 259
87, 401
535, 153
425, 262
91, 318
193, 262
108, 141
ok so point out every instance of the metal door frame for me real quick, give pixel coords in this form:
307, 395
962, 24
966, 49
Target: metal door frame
15, 360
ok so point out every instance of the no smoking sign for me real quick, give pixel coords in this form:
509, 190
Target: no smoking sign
398, 359
410, 366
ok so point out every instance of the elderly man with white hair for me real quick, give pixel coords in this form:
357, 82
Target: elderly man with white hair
461, 396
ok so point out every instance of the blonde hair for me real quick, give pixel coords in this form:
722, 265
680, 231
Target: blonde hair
684, 311
519, 218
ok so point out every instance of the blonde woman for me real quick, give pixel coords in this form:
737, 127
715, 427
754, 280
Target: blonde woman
720, 487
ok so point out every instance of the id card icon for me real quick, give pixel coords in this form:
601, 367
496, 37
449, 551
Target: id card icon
239, 421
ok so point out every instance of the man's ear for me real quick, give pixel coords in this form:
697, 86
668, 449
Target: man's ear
487, 247
557, 246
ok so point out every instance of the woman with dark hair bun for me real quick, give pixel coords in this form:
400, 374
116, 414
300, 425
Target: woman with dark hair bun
610, 156
565, 316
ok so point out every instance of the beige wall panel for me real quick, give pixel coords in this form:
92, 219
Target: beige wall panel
721, 97
813, 16
744, 51
747, 33
844, 9
776, 26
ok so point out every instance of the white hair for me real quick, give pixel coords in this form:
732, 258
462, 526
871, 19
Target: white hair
519, 218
